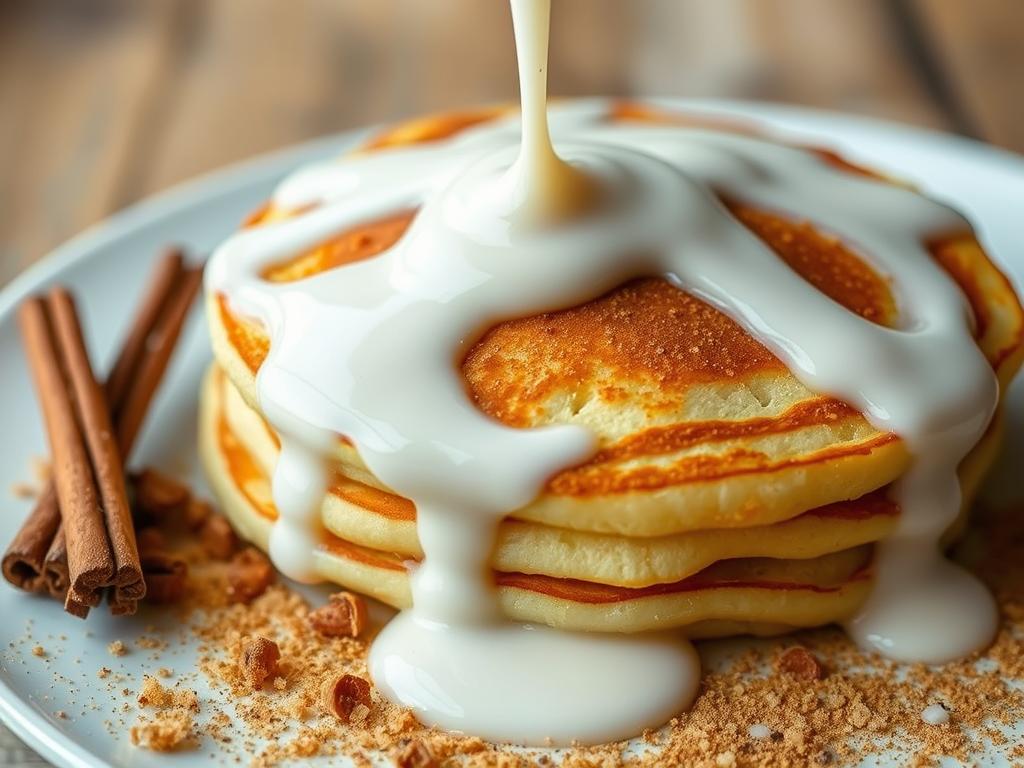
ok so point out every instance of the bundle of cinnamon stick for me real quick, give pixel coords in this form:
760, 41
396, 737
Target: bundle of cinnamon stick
78, 543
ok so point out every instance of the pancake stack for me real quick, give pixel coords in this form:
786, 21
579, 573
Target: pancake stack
724, 498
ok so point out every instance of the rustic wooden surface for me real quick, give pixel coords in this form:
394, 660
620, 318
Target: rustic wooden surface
107, 101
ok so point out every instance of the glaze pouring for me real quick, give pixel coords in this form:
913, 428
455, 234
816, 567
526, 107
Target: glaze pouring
508, 227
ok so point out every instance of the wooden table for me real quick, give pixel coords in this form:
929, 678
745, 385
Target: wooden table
104, 102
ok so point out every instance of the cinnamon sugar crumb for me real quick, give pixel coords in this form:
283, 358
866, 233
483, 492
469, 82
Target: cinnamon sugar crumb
154, 695
415, 754
164, 732
346, 698
343, 616
807, 723
750, 713
117, 648
39, 651
249, 575
217, 537
23, 491
800, 664
259, 660
172, 726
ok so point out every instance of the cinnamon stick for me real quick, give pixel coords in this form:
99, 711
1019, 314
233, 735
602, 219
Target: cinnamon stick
90, 560
150, 368
56, 576
37, 559
161, 286
103, 452
23, 563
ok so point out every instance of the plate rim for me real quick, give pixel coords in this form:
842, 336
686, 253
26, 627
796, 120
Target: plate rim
24, 720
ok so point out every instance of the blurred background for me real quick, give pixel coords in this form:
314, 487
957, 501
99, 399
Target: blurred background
103, 102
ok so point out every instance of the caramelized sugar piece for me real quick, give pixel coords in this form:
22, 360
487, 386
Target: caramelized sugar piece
799, 663
218, 538
346, 698
249, 575
259, 661
343, 616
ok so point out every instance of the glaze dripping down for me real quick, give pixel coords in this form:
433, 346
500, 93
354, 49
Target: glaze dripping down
506, 227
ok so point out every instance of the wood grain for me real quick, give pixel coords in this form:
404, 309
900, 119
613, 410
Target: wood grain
74, 92
107, 101
832, 55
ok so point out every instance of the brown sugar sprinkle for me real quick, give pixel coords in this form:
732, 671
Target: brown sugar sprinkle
346, 698
343, 616
117, 648
800, 664
415, 754
165, 732
249, 575
23, 491
218, 538
151, 643
154, 695
259, 661
172, 726
38, 650
749, 713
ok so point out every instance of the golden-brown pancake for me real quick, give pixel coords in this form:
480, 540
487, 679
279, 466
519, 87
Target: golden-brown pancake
375, 519
749, 595
699, 425
724, 495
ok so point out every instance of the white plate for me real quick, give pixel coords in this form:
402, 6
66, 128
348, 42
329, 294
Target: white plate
106, 267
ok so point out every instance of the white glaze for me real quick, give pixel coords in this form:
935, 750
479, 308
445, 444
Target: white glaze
533, 685
540, 187
759, 731
935, 714
370, 351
